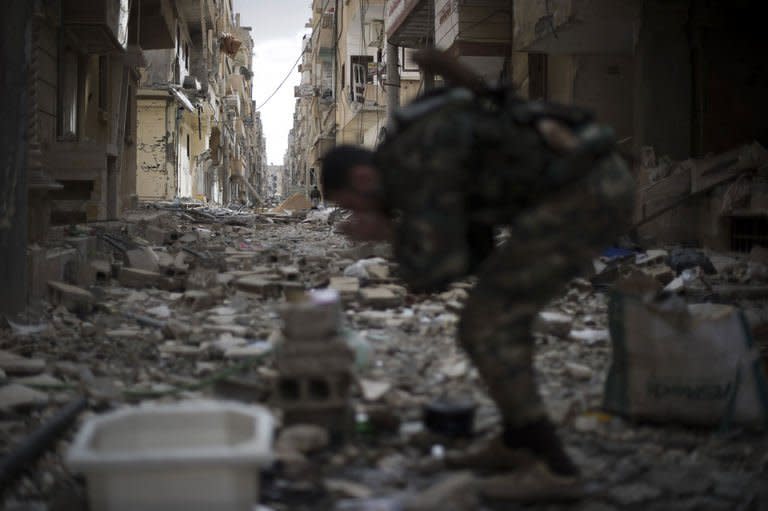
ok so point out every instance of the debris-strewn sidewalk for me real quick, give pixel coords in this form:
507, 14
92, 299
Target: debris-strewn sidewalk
181, 300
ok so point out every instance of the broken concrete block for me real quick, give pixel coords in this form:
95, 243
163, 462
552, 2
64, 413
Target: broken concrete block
40, 380
189, 237
378, 271
553, 323
14, 396
142, 258
175, 329
318, 316
157, 235
198, 300
373, 390
14, 364
201, 278
136, 278
379, 297
75, 299
289, 272
589, 336
578, 371
346, 286
303, 438
255, 349
102, 270
261, 286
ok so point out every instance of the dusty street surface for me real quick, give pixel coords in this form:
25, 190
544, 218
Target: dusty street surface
199, 318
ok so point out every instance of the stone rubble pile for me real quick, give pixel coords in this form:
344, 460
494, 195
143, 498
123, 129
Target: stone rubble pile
183, 301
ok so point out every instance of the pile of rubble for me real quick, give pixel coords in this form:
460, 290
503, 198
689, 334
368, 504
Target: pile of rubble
182, 301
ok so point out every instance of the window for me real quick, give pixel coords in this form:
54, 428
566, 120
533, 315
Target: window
188, 145
186, 56
68, 81
366, 63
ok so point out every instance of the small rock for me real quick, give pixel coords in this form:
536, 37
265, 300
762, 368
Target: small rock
553, 323
14, 396
40, 380
303, 438
15, 365
374, 390
589, 336
175, 329
379, 297
254, 349
578, 371
346, 286
75, 299
161, 311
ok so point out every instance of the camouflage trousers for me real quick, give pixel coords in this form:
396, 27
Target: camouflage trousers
549, 245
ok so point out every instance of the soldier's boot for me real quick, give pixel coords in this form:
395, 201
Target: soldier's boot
489, 455
537, 483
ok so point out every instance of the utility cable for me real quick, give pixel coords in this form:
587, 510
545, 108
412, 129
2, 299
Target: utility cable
301, 54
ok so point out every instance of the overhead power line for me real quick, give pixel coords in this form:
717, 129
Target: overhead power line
288, 75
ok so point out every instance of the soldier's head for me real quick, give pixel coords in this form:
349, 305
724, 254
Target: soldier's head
350, 178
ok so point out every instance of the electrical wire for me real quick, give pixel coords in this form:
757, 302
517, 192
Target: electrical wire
301, 54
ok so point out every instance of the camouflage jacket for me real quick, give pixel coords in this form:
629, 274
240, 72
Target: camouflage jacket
456, 164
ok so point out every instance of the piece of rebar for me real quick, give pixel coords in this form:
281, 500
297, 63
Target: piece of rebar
37, 443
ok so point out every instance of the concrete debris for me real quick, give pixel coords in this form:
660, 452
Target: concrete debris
303, 438
138, 278
374, 390
226, 313
14, 365
380, 297
14, 396
74, 298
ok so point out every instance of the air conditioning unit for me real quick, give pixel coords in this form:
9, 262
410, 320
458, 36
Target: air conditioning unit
100, 26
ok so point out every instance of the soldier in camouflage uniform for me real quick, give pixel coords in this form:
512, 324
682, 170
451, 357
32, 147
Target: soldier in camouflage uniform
458, 164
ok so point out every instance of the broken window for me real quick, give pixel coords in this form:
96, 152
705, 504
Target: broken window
68, 81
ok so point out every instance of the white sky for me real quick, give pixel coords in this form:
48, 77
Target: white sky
278, 26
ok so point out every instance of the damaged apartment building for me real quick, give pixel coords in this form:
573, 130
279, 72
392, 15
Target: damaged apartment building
682, 82
200, 135
129, 100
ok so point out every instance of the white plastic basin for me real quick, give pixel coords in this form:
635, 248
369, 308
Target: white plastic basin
191, 455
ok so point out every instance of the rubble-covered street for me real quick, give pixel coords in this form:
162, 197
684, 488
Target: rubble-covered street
181, 301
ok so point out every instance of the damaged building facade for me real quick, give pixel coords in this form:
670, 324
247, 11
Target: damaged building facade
670, 77
130, 100
200, 136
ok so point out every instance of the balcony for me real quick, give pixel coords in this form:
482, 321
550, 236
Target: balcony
577, 27
100, 26
156, 24
410, 23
